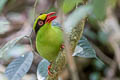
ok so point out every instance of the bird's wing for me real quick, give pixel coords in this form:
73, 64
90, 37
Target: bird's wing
56, 24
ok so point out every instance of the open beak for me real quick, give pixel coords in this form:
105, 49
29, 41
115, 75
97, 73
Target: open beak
50, 17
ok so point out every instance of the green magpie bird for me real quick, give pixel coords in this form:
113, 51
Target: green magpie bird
49, 38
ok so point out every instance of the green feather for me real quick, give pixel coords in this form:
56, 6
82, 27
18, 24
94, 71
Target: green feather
48, 41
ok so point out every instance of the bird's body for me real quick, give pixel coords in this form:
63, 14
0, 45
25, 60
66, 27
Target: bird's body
48, 38
48, 41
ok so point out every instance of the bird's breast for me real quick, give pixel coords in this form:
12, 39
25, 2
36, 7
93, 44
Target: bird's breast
48, 44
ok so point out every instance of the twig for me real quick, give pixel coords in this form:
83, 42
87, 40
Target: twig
70, 59
35, 4
102, 56
111, 26
111, 71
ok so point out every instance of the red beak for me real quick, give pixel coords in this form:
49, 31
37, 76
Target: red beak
50, 17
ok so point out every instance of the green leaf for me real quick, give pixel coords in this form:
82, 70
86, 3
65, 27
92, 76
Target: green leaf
42, 69
103, 37
68, 5
84, 49
19, 67
94, 76
112, 3
99, 66
90, 33
9, 45
99, 9
2, 3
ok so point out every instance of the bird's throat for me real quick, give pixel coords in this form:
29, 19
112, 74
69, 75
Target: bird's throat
44, 29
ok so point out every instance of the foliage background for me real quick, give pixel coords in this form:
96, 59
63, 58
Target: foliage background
102, 29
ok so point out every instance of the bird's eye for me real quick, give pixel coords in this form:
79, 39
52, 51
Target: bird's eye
40, 23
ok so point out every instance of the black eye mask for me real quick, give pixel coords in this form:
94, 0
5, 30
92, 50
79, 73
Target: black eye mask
39, 25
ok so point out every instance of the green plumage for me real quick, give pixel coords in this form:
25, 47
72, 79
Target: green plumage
48, 41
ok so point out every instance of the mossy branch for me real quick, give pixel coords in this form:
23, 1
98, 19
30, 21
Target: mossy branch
59, 63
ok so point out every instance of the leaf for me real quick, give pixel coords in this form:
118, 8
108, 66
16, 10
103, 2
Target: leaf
112, 3
84, 49
16, 51
94, 76
9, 45
89, 33
99, 66
2, 3
103, 37
68, 5
42, 69
74, 18
19, 67
99, 8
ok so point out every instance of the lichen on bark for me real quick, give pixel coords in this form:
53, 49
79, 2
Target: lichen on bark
59, 64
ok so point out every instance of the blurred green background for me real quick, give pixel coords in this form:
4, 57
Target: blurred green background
102, 29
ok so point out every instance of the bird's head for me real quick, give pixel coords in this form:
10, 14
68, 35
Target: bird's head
43, 19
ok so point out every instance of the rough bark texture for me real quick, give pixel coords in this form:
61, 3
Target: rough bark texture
60, 62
